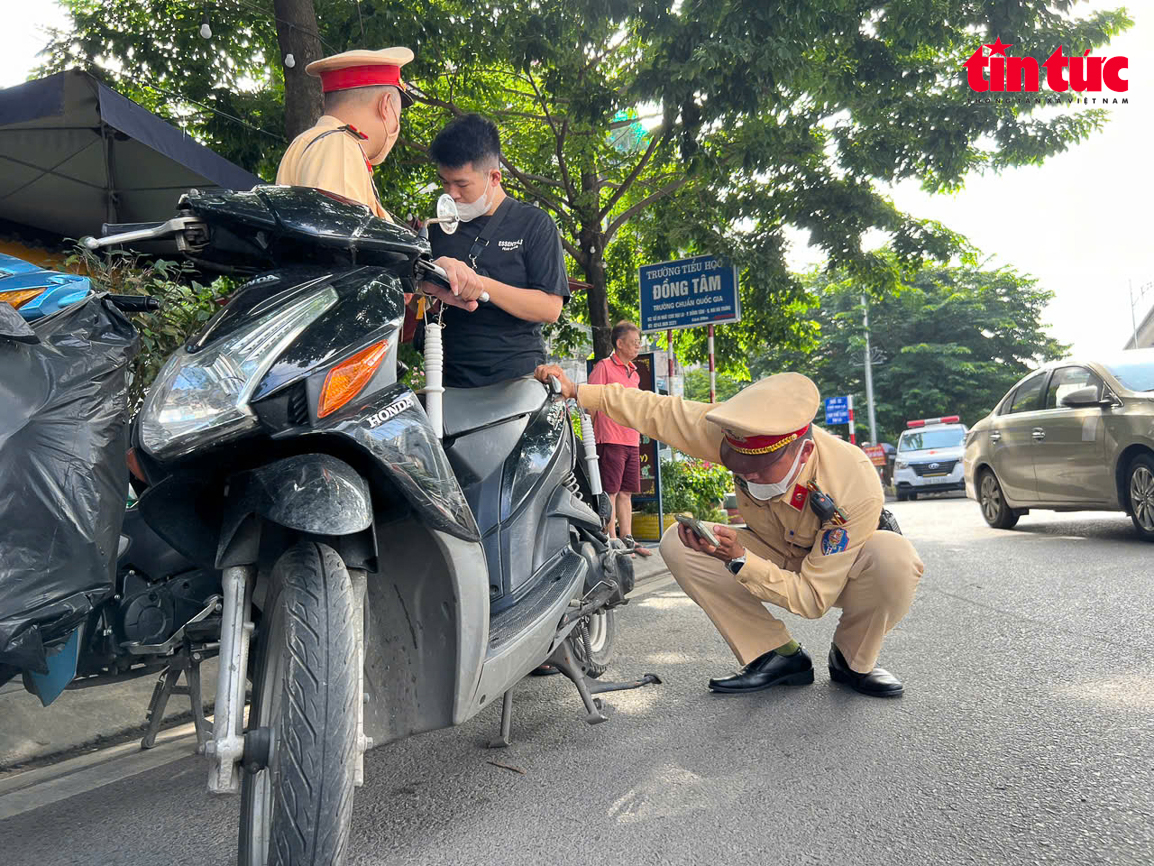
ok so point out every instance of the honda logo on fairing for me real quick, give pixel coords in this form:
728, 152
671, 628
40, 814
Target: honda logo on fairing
391, 411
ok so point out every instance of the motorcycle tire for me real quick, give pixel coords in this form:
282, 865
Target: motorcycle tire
297, 808
602, 640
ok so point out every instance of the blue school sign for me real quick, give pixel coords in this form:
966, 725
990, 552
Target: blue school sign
689, 293
837, 410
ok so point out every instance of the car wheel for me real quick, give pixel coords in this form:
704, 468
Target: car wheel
994, 508
902, 496
913, 497
1140, 488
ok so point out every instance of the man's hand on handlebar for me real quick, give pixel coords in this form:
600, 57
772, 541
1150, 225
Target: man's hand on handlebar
568, 389
466, 285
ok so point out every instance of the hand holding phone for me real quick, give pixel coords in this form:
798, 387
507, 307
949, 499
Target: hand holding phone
698, 528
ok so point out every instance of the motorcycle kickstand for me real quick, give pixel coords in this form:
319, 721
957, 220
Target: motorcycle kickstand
505, 739
155, 713
186, 661
199, 722
564, 661
598, 687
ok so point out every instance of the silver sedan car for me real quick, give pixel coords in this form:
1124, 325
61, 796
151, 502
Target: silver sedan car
1069, 437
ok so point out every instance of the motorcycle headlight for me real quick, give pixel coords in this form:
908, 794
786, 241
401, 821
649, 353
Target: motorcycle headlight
204, 395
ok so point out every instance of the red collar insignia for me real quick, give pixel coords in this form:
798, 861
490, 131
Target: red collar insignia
799, 497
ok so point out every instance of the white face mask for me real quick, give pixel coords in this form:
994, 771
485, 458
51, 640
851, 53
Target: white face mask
470, 210
391, 136
766, 492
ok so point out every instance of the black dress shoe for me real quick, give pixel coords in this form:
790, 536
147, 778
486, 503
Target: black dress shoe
878, 683
768, 670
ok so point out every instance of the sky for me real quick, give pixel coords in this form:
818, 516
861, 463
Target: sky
1080, 223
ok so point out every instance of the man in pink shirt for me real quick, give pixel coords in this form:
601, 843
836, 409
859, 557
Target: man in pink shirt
618, 450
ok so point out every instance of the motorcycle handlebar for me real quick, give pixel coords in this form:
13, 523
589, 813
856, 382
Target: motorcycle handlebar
436, 275
135, 303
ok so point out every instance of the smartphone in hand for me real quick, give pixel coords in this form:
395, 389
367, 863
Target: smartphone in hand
698, 528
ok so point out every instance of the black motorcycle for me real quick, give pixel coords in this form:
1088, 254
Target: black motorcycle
395, 561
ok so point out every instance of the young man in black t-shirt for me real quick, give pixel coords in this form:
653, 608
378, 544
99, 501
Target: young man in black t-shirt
522, 267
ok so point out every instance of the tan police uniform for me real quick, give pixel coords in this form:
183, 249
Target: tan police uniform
328, 155
792, 559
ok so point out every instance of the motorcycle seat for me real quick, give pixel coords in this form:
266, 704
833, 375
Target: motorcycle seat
468, 409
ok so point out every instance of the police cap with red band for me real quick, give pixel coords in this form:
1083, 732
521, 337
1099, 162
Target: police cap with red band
760, 422
352, 69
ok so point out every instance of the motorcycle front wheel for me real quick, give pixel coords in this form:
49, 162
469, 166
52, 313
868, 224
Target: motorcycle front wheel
297, 792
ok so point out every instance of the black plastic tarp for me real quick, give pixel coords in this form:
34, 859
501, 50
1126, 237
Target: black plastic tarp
75, 154
63, 475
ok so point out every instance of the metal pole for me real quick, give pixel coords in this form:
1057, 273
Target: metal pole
1133, 321
660, 496
849, 402
712, 370
869, 375
669, 381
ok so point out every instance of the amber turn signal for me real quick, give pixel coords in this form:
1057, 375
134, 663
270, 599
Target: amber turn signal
18, 297
347, 378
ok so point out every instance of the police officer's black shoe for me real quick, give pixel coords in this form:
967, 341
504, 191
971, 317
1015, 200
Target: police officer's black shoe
878, 683
768, 670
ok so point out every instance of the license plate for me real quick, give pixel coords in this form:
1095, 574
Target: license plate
935, 475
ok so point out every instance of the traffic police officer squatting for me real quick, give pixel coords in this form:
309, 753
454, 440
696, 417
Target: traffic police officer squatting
812, 506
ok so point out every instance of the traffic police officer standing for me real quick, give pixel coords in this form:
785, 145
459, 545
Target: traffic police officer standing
364, 95
812, 504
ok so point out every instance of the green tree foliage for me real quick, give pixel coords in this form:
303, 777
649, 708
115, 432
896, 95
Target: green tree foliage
697, 386
185, 305
952, 341
648, 129
693, 486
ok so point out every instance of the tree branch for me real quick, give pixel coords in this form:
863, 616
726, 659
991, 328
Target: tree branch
558, 137
421, 96
597, 58
637, 169
547, 181
525, 114
533, 190
617, 124
572, 250
641, 205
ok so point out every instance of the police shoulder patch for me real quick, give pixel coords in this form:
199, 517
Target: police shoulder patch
834, 541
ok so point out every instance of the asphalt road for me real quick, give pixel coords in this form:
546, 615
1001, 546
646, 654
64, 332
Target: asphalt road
1026, 735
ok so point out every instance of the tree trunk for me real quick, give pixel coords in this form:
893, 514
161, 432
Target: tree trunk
592, 243
597, 296
296, 32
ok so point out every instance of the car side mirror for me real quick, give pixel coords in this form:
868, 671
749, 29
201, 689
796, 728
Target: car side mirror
1083, 398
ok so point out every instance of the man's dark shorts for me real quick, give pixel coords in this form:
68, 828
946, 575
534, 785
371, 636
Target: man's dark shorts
620, 468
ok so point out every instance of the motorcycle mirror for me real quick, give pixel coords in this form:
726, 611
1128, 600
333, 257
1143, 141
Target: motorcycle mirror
448, 216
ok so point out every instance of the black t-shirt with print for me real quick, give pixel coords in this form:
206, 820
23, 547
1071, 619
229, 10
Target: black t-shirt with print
488, 345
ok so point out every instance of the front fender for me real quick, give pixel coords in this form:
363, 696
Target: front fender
310, 493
